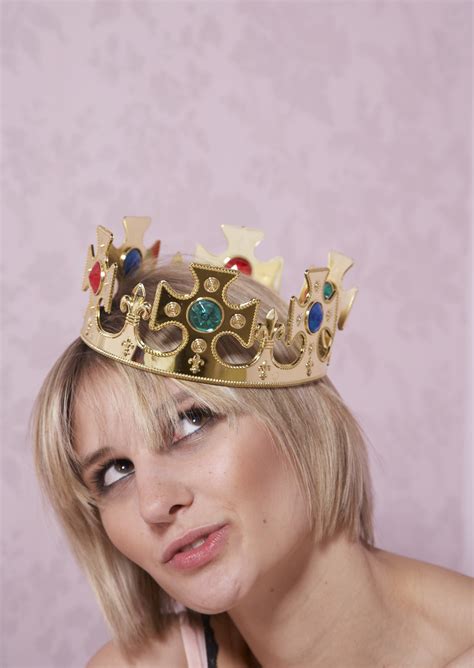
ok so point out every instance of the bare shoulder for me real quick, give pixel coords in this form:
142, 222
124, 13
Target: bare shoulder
108, 655
158, 653
442, 601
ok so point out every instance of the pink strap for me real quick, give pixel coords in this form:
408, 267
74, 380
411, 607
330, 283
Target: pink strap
194, 644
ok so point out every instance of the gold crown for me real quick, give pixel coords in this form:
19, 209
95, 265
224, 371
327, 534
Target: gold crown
206, 314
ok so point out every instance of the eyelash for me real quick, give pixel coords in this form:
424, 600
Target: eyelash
98, 477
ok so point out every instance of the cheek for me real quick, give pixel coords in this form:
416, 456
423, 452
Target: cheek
118, 521
243, 467
267, 495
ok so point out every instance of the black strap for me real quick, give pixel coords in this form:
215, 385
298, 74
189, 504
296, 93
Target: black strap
212, 647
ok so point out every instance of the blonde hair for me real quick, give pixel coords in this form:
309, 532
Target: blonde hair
311, 427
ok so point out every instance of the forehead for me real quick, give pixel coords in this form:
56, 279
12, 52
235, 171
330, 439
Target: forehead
109, 408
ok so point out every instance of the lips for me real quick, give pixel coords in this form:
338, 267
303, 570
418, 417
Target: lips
187, 539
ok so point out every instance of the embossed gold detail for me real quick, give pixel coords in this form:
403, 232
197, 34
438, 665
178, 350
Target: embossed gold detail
127, 346
237, 321
135, 307
198, 346
172, 309
211, 284
271, 330
263, 370
195, 363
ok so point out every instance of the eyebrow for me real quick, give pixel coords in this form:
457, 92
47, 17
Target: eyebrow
94, 457
107, 450
182, 396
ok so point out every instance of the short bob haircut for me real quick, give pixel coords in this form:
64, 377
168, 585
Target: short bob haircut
312, 429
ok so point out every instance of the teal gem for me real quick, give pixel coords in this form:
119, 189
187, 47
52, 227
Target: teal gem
328, 290
205, 315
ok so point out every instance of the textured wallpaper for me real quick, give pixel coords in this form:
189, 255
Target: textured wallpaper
329, 125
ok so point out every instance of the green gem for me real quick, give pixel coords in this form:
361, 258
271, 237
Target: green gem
205, 315
328, 290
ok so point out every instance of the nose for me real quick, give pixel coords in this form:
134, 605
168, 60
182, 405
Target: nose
161, 494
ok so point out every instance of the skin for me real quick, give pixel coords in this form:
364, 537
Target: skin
297, 603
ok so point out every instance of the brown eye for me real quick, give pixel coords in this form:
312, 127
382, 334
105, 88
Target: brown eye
116, 470
192, 421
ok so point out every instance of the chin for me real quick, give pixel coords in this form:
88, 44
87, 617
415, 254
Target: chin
210, 604
218, 593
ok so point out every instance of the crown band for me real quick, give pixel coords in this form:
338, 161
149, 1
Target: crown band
206, 314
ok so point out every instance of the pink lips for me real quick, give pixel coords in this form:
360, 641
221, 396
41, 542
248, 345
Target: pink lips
214, 537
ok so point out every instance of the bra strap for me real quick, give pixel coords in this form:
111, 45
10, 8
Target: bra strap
212, 648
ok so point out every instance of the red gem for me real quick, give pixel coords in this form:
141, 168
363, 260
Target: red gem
241, 264
155, 249
95, 278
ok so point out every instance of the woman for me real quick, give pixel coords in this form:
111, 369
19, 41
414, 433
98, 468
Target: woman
219, 501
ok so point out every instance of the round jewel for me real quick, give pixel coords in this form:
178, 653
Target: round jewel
95, 277
328, 290
132, 261
241, 264
205, 315
315, 317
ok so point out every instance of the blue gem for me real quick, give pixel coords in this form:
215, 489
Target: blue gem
315, 317
132, 261
205, 315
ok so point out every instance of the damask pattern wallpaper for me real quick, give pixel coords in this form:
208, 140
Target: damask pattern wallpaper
329, 125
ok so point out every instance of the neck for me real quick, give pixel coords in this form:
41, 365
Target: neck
324, 606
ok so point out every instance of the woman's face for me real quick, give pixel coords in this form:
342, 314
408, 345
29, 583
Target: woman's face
210, 475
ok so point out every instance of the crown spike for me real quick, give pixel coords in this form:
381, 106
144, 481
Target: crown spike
338, 266
240, 254
135, 228
99, 276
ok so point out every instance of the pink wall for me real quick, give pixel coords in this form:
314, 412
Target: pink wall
328, 125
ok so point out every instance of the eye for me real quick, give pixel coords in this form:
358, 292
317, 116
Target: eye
192, 421
114, 471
